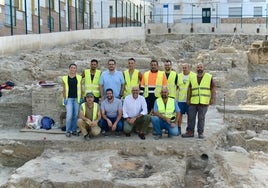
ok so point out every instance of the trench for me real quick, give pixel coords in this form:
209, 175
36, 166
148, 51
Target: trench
127, 162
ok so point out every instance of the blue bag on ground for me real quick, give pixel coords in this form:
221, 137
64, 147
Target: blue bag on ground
47, 123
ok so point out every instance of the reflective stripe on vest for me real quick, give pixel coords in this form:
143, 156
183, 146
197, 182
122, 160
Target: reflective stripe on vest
95, 110
92, 86
171, 85
131, 82
201, 93
169, 109
184, 86
157, 86
65, 80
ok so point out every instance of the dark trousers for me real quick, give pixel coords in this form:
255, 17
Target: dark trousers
201, 110
150, 101
104, 125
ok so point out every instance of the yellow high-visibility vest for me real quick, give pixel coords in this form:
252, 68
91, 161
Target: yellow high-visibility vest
158, 84
65, 80
171, 85
131, 82
169, 110
183, 86
201, 93
92, 85
95, 110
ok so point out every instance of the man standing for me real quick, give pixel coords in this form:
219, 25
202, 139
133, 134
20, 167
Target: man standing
151, 84
201, 94
71, 84
111, 112
183, 84
172, 79
132, 76
89, 117
112, 79
166, 114
135, 113
92, 79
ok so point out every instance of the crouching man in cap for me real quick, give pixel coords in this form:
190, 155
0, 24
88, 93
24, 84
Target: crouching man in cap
89, 117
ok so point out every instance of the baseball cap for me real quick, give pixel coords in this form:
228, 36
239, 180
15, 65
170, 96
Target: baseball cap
89, 94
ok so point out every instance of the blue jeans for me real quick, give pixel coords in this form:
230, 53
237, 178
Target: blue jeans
193, 110
105, 127
160, 124
72, 110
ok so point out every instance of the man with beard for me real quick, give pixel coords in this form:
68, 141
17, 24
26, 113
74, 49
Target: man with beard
166, 114
201, 94
111, 112
172, 79
89, 117
112, 79
91, 80
151, 84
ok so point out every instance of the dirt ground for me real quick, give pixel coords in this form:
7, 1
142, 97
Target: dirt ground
236, 127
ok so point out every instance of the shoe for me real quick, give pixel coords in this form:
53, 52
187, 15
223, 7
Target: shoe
154, 133
128, 134
86, 137
75, 133
117, 134
188, 134
157, 137
201, 136
68, 134
104, 133
141, 135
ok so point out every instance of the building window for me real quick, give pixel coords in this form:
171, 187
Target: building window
18, 5
81, 10
50, 3
8, 6
50, 23
235, 12
111, 11
257, 11
177, 7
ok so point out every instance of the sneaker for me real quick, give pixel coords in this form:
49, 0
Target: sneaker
141, 135
104, 133
75, 133
68, 134
117, 134
128, 134
86, 137
201, 136
157, 137
188, 134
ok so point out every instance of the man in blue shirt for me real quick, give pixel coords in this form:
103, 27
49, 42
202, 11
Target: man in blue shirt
112, 79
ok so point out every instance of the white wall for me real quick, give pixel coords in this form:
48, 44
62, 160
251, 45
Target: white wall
12, 44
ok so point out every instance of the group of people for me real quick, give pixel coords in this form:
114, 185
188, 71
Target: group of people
114, 101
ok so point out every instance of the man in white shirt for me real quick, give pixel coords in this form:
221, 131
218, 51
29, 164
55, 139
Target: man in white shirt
135, 113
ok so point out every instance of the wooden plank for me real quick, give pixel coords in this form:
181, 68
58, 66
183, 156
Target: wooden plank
51, 131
